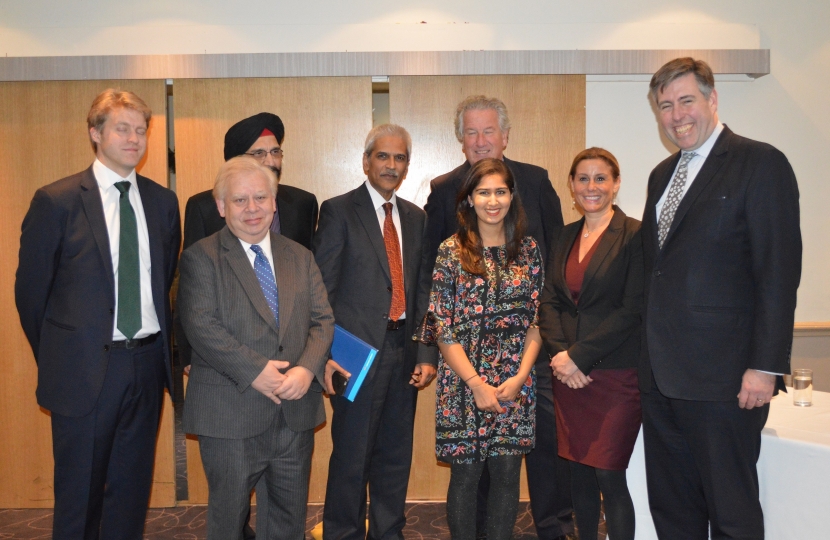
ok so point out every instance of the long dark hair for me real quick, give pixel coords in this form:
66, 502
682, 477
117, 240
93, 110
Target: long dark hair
469, 239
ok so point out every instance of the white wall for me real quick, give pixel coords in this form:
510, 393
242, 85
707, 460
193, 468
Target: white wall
788, 108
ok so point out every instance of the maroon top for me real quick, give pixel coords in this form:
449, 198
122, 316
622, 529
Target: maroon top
575, 270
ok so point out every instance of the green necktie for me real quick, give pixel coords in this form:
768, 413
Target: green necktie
129, 283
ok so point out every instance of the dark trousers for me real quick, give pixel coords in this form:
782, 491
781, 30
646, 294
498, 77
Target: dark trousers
234, 466
700, 467
104, 460
548, 475
372, 444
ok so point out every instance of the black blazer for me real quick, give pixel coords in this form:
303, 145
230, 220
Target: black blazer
65, 288
720, 295
350, 252
297, 211
603, 331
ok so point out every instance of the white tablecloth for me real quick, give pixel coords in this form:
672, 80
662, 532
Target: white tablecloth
793, 472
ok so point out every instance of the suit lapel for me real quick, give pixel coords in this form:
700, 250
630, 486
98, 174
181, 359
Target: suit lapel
286, 289
569, 241
368, 217
241, 267
605, 243
650, 214
154, 221
714, 161
286, 216
410, 239
94, 210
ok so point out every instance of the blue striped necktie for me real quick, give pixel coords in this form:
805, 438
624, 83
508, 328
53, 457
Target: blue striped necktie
267, 281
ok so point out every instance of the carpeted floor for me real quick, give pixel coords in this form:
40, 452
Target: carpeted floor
425, 521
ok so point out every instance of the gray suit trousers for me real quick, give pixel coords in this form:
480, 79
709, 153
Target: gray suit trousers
233, 466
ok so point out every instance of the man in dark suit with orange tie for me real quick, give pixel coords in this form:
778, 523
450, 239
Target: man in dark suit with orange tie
368, 247
722, 250
97, 258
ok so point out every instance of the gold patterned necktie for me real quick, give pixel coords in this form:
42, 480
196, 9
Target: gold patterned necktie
393, 254
673, 198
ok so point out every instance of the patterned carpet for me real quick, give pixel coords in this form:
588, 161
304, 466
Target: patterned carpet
425, 521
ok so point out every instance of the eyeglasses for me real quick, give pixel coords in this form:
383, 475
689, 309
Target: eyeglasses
276, 153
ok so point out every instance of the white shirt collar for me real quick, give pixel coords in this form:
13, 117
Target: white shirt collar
706, 147
265, 243
377, 199
107, 178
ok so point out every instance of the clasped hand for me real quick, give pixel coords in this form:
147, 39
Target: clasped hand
487, 397
567, 372
276, 385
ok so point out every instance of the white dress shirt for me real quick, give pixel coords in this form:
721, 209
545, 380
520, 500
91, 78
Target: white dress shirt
110, 198
378, 201
694, 166
265, 244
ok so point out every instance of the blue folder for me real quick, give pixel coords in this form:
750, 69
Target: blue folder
355, 356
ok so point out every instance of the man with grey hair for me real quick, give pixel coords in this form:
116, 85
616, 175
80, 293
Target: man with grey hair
368, 246
254, 308
482, 126
722, 251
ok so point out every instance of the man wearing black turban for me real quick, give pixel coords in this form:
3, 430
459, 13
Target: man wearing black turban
259, 136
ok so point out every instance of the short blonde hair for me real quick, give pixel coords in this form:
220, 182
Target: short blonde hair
109, 100
241, 165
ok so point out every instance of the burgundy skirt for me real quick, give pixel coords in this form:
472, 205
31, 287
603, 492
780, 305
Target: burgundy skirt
598, 425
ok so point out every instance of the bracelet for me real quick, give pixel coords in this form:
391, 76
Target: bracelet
470, 378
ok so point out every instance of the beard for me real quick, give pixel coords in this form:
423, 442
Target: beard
277, 171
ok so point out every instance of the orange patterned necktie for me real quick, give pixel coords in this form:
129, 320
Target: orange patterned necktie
393, 254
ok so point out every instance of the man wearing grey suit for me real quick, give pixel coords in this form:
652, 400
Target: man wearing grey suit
368, 246
258, 343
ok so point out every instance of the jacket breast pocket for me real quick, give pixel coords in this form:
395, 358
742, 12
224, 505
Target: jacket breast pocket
716, 217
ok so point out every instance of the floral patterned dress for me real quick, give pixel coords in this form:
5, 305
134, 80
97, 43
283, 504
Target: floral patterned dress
489, 316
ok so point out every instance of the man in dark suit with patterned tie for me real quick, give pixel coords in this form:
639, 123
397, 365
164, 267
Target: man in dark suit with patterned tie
722, 251
260, 136
368, 246
254, 308
97, 258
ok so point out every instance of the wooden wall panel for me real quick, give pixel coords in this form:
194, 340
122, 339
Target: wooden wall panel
43, 137
326, 121
547, 113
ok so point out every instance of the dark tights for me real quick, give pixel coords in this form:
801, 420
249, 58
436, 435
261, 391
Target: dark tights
502, 501
586, 484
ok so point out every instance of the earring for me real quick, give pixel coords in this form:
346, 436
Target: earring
573, 204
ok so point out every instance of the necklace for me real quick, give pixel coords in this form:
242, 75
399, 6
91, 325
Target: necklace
587, 232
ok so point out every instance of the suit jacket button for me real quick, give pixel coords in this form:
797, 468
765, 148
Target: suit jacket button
280, 348
389, 289
656, 273
112, 311
106, 348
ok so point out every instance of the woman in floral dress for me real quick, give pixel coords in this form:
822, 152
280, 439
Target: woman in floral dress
486, 289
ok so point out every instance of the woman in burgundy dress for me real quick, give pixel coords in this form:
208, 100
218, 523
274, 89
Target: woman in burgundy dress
590, 326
